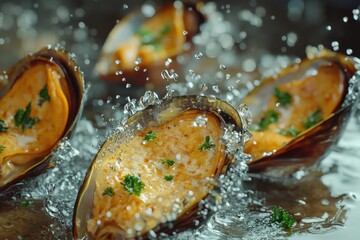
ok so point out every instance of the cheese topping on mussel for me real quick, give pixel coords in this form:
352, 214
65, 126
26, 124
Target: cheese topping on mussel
156, 176
33, 116
294, 107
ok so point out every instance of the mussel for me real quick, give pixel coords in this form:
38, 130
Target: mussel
41, 99
303, 111
156, 170
137, 47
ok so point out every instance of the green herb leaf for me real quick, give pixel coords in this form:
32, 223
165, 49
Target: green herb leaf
25, 203
206, 145
133, 184
313, 119
164, 30
169, 162
150, 136
283, 218
289, 132
22, 118
43, 96
269, 117
108, 191
169, 178
2, 148
3, 128
150, 38
283, 98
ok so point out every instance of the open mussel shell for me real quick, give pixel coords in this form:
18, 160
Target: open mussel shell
41, 100
138, 46
301, 114
151, 174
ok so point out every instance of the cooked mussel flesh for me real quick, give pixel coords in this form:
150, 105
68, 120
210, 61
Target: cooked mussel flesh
137, 47
302, 112
40, 104
156, 170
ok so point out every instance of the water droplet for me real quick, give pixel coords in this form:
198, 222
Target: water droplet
349, 51
168, 62
117, 73
249, 65
335, 45
136, 68
138, 61
345, 19
167, 76
148, 10
117, 62
128, 85
356, 13
125, 6
200, 121
216, 88
222, 67
185, 33
328, 27
212, 98
204, 87
198, 55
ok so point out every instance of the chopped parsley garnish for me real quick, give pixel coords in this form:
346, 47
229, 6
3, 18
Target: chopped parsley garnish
2, 148
283, 98
289, 132
22, 118
148, 37
313, 119
206, 145
150, 136
108, 191
25, 203
269, 117
3, 128
169, 162
43, 96
133, 184
169, 178
283, 218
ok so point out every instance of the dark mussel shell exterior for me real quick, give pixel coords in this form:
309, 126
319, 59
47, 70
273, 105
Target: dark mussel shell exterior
150, 116
72, 87
314, 143
148, 72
